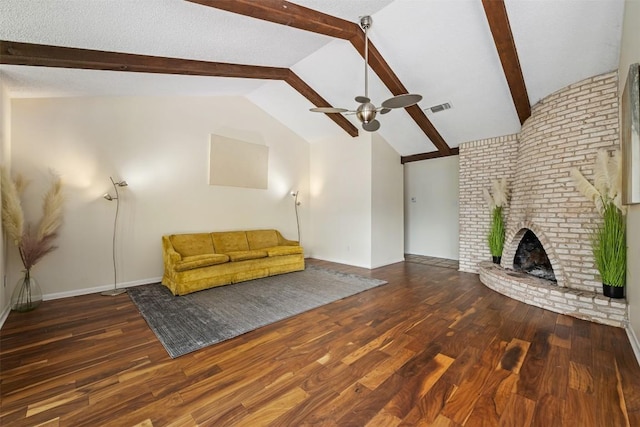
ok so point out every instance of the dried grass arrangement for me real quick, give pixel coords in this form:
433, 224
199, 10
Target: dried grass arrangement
33, 242
609, 238
496, 201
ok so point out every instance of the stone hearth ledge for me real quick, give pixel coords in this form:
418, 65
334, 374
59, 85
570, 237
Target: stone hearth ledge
538, 292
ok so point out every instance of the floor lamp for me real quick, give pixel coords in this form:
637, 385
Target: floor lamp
115, 291
296, 203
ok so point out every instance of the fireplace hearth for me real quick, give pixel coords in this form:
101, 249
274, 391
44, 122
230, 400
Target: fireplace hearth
531, 258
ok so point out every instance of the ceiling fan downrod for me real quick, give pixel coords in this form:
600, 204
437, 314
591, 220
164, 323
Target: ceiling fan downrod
365, 23
366, 111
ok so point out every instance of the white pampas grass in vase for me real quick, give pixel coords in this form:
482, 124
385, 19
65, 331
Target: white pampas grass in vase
32, 245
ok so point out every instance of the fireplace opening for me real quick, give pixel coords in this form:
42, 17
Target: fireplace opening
531, 258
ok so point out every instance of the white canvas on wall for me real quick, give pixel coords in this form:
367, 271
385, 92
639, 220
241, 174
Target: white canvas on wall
235, 163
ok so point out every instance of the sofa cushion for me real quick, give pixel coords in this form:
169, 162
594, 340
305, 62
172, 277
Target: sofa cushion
284, 250
260, 239
191, 262
192, 244
229, 241
245, 255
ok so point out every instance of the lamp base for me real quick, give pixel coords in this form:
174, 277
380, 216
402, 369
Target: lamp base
113, 292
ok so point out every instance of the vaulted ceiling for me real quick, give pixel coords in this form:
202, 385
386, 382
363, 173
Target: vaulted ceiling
491, 60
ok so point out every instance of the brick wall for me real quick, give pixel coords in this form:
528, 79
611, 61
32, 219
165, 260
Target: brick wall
565, 130
480, 163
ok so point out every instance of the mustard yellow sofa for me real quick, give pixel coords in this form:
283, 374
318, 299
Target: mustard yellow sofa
197, 261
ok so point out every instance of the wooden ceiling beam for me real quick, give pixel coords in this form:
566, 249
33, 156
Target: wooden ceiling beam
503, 38
290, 14
305, 90
15, 53
426, 156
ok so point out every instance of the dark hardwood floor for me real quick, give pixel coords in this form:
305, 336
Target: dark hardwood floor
432, 347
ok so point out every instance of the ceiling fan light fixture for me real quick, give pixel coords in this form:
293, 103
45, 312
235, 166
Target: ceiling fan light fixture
366, 112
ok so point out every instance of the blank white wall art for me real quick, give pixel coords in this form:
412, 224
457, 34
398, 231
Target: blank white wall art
236, 163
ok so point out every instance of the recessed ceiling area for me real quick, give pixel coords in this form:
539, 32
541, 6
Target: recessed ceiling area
441, 49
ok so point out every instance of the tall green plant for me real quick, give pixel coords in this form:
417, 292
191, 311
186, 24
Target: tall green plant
609, 247
495, 238
608, 239
496, 200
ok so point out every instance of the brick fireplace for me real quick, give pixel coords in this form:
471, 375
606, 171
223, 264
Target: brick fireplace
565, 130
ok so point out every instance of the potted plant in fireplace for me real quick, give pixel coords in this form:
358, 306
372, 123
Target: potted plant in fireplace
608, 239
496, 201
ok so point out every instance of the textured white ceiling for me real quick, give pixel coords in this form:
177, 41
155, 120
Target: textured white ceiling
442, 49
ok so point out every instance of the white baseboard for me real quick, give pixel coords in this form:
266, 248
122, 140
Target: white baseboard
85, 291
635, 344
76, 292
387, 262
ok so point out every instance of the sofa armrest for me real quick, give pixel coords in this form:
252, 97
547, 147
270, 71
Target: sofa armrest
286, 242
285, 250
169, 255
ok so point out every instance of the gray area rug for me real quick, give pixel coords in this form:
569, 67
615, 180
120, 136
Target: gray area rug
190, 322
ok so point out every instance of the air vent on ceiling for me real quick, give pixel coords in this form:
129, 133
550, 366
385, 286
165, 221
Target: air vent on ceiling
438, 108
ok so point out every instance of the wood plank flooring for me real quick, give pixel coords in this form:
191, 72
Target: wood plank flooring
432, 347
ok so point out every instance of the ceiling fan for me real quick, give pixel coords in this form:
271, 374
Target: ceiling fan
366, 111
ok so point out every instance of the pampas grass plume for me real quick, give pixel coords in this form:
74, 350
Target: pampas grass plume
12, 215
51, 210
499, 197
584, 186
607, 181
31, 245
488, 198
601, 179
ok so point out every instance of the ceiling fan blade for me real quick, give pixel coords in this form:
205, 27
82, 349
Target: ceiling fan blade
372, 126
362, 99
402, 101
328, 110
384, 110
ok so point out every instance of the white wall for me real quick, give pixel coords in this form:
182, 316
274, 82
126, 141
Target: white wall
431, 221
356, 197
160, 146
387, 210
629, 54
340, 185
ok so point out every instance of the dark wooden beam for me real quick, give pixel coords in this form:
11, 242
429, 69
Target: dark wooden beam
503, 39
305, 90
16, 53
290, 14
427, 156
